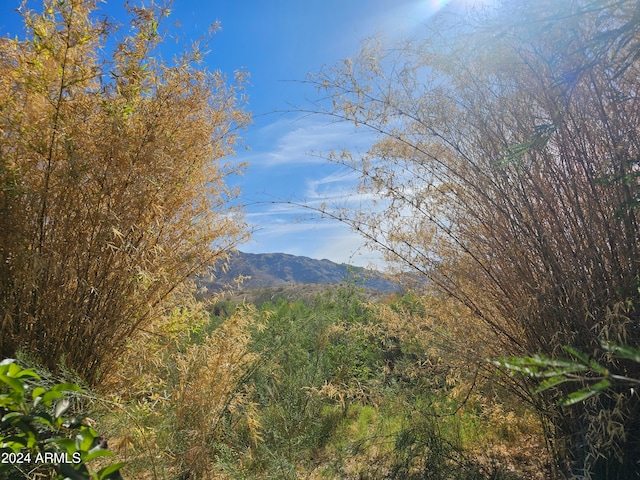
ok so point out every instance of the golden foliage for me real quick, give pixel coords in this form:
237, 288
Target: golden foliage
178, 382
113, 193
507, 168
210, 380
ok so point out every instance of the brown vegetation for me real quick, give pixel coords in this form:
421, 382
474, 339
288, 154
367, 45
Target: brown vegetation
113, 193
508, 164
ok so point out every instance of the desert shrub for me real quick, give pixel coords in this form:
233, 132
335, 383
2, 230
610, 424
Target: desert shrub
346, 389
337, 388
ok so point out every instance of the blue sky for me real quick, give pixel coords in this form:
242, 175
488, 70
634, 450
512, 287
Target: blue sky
279, 42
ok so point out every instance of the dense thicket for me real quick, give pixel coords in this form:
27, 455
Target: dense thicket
336, 388
508, 165
112, 194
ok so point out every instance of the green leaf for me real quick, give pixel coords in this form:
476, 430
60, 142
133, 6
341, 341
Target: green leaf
97, 453
622, 351
48, 397
577, 396
596, 367
32, 440
37, 392
16, 385
601, 385
584, 393
541, 366
14, 370
578, 354
15, 442
85, 438
586, 361
66, 387
8, 418
550, 383
65, 444
106, 472
27, 373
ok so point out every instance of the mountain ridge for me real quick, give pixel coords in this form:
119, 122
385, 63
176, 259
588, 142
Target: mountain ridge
260, 270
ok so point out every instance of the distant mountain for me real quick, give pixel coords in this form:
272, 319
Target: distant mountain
280, 269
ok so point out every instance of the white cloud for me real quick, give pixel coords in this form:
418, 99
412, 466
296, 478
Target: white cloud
349, 248
286, 186
320, 239
303, 140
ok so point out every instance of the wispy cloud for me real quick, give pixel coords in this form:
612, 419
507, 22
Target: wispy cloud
318, 238
302, 140
289, 183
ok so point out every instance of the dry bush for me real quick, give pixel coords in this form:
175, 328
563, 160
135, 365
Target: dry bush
176, 385
507, 173
211, 384
450, 346
113, 191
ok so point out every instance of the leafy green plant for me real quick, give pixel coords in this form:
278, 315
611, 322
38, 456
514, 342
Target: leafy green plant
579, 368
36, 437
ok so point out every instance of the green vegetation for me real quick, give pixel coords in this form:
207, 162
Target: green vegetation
334, 388
37, 438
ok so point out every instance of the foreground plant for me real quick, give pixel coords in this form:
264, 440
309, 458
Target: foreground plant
37, 438
177, 385
591, 376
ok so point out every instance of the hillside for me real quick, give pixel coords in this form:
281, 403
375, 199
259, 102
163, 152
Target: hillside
279, 269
